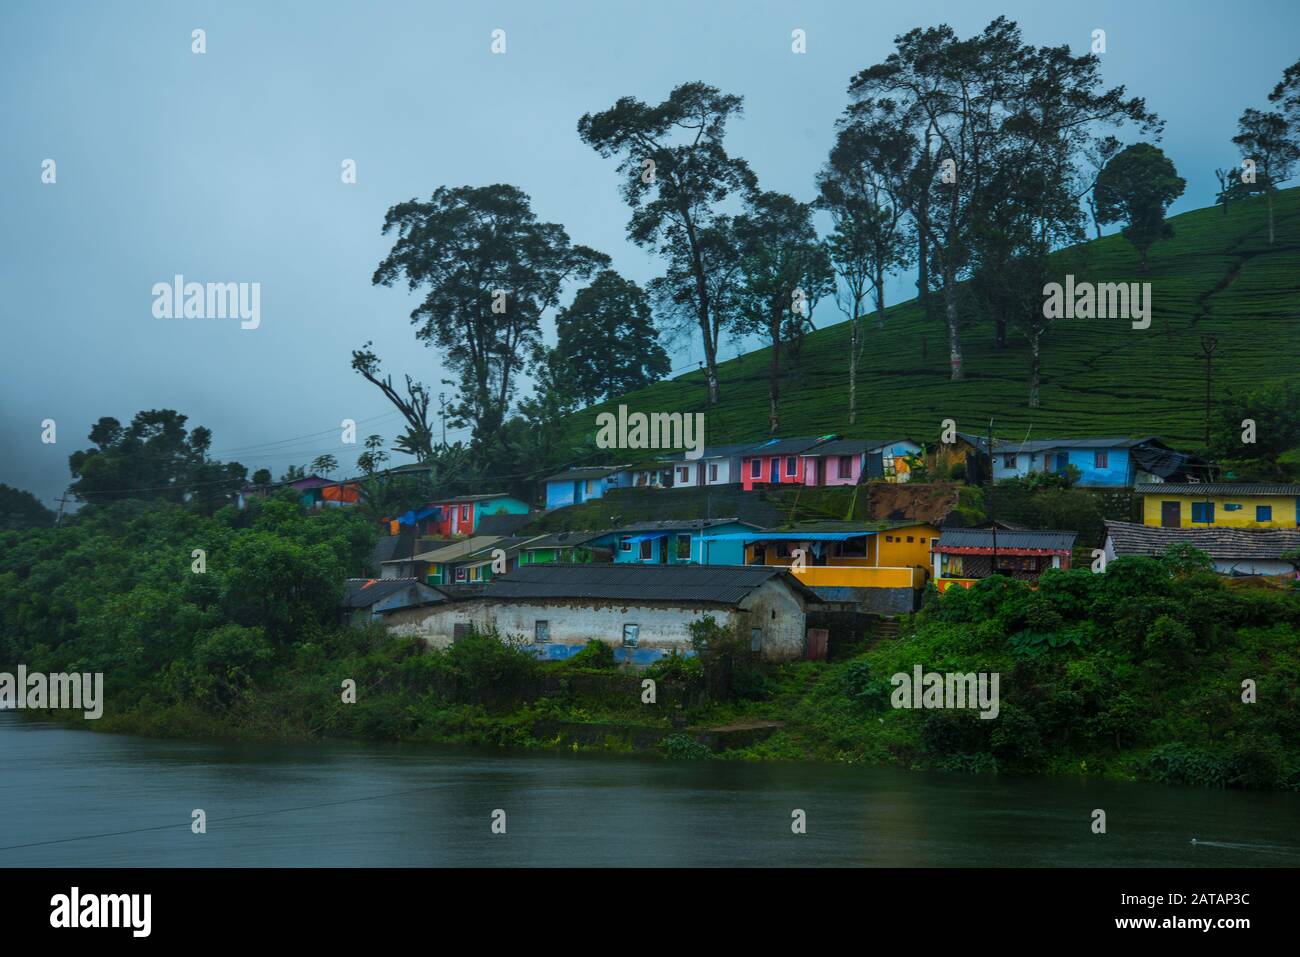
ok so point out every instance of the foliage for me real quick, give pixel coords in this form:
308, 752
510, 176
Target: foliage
594, 654
1136, 187
682, 747
608, 341
20, 509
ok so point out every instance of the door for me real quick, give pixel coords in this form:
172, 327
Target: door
774, 473
1171, 514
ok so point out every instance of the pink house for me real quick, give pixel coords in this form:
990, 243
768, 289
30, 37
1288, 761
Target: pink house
843, 461
777, 462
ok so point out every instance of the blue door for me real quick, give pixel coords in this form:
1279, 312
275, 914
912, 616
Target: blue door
775, 471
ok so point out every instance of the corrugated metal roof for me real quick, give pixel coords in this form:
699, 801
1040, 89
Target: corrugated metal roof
708, 584
1222, 544
793, 446
364, 592
1009, 539
854, 446
576, 475
1039, 445
1217, 488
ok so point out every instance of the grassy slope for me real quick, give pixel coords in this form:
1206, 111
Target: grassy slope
1100, 377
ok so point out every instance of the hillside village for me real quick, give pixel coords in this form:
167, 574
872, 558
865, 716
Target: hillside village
565, 569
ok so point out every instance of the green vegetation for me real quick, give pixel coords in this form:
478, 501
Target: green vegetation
1218, 275
1134, 673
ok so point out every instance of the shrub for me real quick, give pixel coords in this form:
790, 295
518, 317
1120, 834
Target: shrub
1182, 764
682, 747
594, 654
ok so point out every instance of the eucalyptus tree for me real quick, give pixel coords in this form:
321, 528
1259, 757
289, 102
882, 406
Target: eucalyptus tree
489, 270
678, 177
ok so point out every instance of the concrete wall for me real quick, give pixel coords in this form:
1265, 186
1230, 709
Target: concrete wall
775, 610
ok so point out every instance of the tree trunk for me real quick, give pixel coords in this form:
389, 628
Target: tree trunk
1142, 259
954, 332
880, 295
923, 250
774, 376
853, 364
1092, 208
1035, 369
1269, 194
1000, 336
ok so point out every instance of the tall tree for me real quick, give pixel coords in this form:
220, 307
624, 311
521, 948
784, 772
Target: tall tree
155, 457
677, 175
784, 271
21, 510
1136, 188
1267, 139
961, 102
489, 270
868, 240
413, 404
608, 340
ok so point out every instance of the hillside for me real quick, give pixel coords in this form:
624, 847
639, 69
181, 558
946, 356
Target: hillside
1100, 377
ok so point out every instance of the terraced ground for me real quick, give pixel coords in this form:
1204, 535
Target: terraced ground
1100, 377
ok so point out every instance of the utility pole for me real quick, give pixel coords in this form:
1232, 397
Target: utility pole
442, 410
1209, 345
62, 499
993, 519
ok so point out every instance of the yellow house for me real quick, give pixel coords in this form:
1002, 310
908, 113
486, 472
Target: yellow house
1220, 505
844, 555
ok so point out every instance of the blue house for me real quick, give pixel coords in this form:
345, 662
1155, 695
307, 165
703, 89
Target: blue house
679, 542
581, 485
1101, 462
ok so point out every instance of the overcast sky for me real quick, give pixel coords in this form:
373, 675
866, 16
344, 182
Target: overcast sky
225, 167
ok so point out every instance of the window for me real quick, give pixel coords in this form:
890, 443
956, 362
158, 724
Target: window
1231, 507
683, 474
1203, 512
460, 574
464, 513
791, 465
755, 639
845, 466
889, 538
647, 549
541, 631
713, 472
1101, 460
630, 635
782, 550
1263, 513
1008, 461
909, 538
1047, 461
755, 468
684, 548
625, 544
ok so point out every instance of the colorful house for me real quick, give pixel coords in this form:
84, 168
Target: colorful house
437, 566
1236, 552
563, 547
373, 599
962, 556
692, 542
313, 491
845, 461
1102, 463
776, 462
1221, 505
880, 565
717, 465
461, 515
582, 485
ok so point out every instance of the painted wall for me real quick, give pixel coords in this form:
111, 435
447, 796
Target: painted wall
786, 475
773, 610
1283, 510
560, 494
701, 552
1118, 471
833, 471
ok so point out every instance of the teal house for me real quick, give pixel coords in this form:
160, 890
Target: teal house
678, 543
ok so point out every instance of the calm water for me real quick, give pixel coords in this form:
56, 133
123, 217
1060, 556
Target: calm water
78, 798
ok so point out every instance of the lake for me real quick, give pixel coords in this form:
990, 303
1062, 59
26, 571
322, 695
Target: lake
77, 798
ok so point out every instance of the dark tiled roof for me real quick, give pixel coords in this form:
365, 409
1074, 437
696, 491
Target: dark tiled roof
708, 584
565, 540
1040, 445
364, 592
793, 446
677, 525
716, 451
1217, 488
852, 446
501, 523
577, 475
1223, 544
1011, 540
